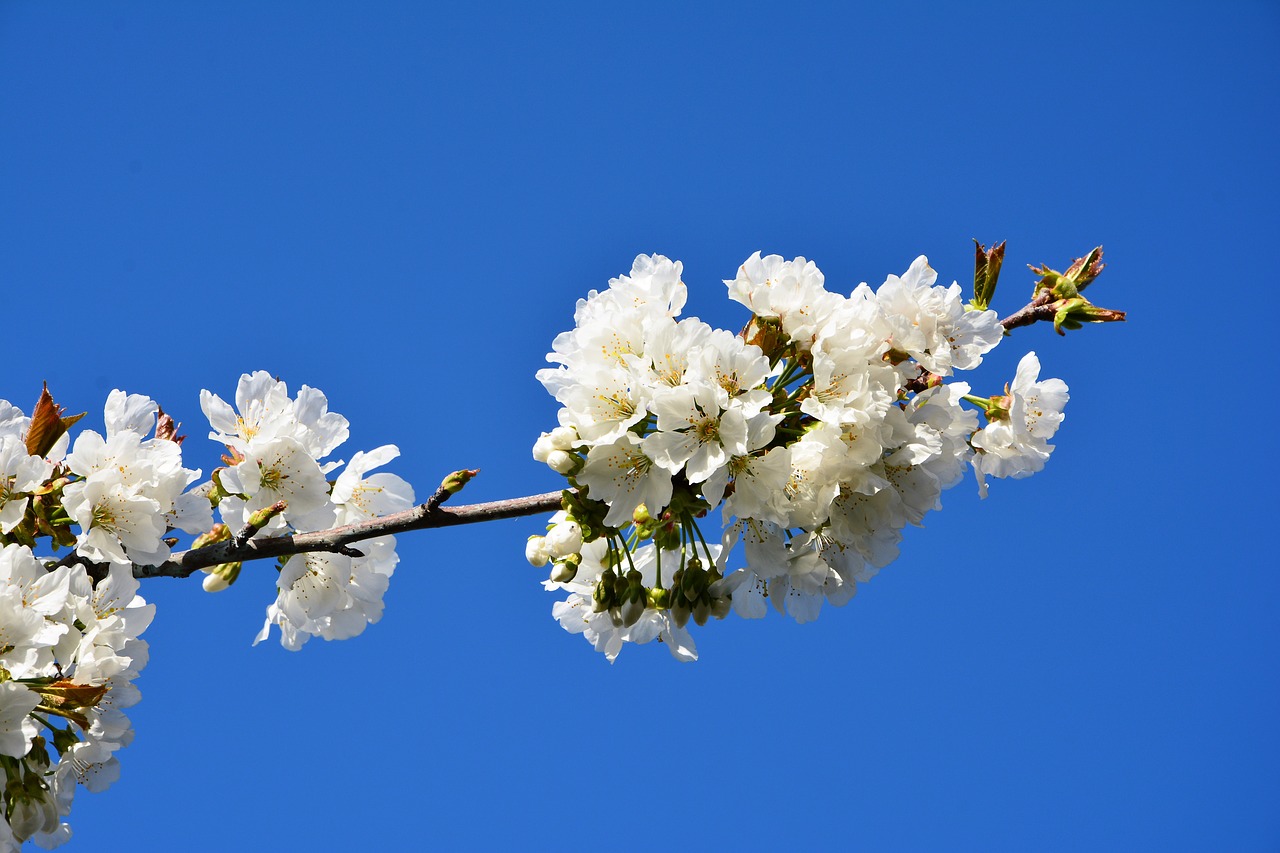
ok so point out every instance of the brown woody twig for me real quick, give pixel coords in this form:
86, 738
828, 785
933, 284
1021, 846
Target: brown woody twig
337, 540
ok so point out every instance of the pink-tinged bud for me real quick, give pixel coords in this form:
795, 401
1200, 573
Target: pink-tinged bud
455, 481
217, 533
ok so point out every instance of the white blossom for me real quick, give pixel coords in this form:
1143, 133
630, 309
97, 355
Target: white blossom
1016, 445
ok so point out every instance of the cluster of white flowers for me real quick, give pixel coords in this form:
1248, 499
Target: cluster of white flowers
69, 628
131, 494
822, 430
69, 651
277, 444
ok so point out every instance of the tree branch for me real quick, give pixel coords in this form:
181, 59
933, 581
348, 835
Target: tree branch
1028, 314
430, 514
337, 540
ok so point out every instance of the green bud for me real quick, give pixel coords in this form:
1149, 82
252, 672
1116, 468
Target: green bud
603, 595
680, 614
631, 611
720, 607
667, 536
64, 739
600, 597
693, 582
701, 611
217, 533
986, 271
37, 757
455, 481
262, 517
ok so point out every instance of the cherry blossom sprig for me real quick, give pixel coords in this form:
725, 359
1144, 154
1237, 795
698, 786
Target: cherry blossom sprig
820, 431
70, 627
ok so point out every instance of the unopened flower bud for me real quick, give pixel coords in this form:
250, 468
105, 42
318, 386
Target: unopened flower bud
563, 462
564, 539
262, 517
221, 576
631, 611
458, 479
535, 551
542, 447
564, 572
659, 598
693, 582
33, 812
217, 533
701, 611
563, 437
680, 614
602, 595
64, 739
720, 607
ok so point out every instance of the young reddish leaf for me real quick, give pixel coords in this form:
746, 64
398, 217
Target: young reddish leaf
47, 424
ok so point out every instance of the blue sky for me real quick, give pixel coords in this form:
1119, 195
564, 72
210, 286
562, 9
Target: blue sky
400, 203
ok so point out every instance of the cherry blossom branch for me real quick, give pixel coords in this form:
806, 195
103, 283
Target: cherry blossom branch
242, 548
426, 515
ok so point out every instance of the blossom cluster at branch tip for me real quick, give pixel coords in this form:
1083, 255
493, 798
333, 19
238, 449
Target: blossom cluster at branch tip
823, 429
70, 628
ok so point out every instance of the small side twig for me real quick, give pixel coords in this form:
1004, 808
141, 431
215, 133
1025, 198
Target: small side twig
1030, 313
256, 522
